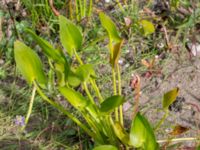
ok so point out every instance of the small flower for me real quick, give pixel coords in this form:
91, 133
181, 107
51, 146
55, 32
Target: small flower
19, 120
120, 61
107, 1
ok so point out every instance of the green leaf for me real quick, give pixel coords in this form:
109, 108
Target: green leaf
105, 147
121, 133
73, 80
115, 40
108, 24
85, 71
170, 97
29, 64
46, 46
108, 105
78, 101
116, 53
70, 35
74, 98
147, 27
141, 134
61, 63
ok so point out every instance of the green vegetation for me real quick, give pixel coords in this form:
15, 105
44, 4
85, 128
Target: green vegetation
88, 60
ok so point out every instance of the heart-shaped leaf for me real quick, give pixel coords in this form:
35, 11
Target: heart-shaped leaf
108, 105
105, 147
70, 35
29, 64
147, 27
141, 134
169, 98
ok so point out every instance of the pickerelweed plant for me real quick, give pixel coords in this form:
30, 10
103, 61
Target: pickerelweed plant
104, 121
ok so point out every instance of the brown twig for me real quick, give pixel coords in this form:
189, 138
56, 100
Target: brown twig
135, 84
53, 8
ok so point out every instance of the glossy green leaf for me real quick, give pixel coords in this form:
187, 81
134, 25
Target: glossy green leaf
83, 72
108, 105
70, 35
29, 63
46, 47
141, 134
169, 98
147, 27
121, 133
108, 24
105, 147
74, 98
73, 79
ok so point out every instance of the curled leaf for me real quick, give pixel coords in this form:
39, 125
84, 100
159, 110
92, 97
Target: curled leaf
178, 129
170, 97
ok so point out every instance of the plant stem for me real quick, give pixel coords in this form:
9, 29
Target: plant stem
77, 11
120, 93
70, 10
115, 92
60, 108
30, 107
162, 120
93, 83
120, 5
78, 58
90, 8
178, 140
81, 9
88, 92
84, 7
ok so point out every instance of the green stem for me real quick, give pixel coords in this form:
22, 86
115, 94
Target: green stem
90, 8
88, 92
120, 6
95, 127
70, 10
162, 120
81, 9
115, 92
178, 140
120, 93
77, 11
84, 7
78, 58
93, 83
30, 107
60, 108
